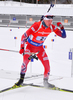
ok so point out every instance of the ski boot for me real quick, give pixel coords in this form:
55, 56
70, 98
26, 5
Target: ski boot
48, 85
20, 82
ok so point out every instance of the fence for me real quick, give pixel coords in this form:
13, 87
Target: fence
12, 20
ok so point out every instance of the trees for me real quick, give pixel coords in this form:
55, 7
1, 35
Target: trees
47, 1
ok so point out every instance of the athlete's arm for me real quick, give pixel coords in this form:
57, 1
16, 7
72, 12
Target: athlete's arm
25, 36
60, 32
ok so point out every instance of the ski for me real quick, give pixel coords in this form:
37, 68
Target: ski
55, 88
34, 85
15, 87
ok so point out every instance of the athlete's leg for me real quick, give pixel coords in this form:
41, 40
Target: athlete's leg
45, 61
23, 67
24, 64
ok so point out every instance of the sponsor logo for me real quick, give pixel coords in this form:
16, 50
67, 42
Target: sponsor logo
34, 43
45, 58
44, 33
43, 54
33, 29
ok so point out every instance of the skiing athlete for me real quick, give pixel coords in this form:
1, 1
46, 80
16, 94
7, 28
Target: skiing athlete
34, 37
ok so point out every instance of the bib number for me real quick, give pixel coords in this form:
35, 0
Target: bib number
39, 38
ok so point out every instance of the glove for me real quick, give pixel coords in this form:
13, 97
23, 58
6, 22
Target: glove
21, 50
59, 24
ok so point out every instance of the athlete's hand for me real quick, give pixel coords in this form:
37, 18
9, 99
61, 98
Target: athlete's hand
21, 50
59, 24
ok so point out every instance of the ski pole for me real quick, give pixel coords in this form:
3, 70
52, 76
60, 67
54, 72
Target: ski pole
9, 50
51, 5
32, 54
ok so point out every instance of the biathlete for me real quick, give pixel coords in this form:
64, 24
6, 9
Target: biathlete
35, 37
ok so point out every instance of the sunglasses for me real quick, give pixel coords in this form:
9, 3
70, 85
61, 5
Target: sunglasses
49, 17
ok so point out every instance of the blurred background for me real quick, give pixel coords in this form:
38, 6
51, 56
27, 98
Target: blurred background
44, 1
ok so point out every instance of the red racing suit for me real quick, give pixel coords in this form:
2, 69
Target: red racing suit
37, 34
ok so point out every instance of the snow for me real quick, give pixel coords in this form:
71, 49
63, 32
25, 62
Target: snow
10, 65
10, 7
34, 93
57, 51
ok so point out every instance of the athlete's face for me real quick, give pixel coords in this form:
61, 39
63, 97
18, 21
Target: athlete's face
48, 22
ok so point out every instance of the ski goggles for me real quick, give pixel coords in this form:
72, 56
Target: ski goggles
48, 17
